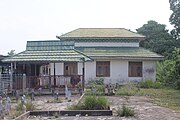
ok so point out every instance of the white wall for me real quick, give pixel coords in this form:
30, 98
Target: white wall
119, 72
106, 44
80, 66
90, 71
59, 68
149, 70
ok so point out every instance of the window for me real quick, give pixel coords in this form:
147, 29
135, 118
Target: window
135, 69
103, 69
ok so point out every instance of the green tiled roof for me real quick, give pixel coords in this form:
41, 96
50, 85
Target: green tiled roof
48, 51
47, 56
119, 53
49, 45
101, 33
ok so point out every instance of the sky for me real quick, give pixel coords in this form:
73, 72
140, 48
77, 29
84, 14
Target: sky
28, 20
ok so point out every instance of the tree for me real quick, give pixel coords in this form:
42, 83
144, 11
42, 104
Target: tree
168, 71
175, 17
11, 53
157, 38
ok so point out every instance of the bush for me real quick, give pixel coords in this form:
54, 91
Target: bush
29, 105
178, 84
95, 90
149, 84
98, 81
127, 90
125, 111
92, 103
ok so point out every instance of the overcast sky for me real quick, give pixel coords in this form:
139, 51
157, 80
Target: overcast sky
27, 20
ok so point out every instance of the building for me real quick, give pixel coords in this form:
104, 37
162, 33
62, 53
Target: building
83, 55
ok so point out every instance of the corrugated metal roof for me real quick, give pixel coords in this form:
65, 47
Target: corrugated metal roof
101, 33
119, 52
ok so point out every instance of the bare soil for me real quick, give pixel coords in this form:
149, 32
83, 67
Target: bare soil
144, 108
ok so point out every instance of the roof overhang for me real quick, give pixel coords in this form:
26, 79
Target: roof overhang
126, 58
48, 56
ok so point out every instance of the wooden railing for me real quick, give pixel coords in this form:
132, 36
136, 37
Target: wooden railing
57, 81
5, 82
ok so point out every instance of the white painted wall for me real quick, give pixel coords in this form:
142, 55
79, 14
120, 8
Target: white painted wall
90, 71
80, 66
106, 44
149, 70
59, 68
119, 72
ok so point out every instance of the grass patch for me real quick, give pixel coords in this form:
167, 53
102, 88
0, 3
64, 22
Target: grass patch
55, 101
127, 90
149, 84
96, 90
165, 97
92, 102
20, 108
125, 111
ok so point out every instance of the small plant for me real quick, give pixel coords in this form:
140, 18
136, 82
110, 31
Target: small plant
149, 84
56, 115
98, 81
54, 101
92, 103
20, 107
95, 103
125, 111
29, 106
127, 90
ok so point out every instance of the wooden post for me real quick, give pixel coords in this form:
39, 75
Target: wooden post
54, 75
35, 72
83, 81
83, 73
11, 76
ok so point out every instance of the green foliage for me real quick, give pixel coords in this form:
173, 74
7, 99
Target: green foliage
98, 81
165, 72
127, 90
168, 71
166, 97
92, 103
177, 83
125, 111
157, 38
29, 105
20, 107
11, 53
97, 85
149, 84
175, 17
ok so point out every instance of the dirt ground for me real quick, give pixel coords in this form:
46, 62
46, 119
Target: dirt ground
144, 108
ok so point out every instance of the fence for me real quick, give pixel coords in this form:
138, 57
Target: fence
5, 82
49, 81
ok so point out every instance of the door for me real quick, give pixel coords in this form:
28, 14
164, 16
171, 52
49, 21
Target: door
70, 68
